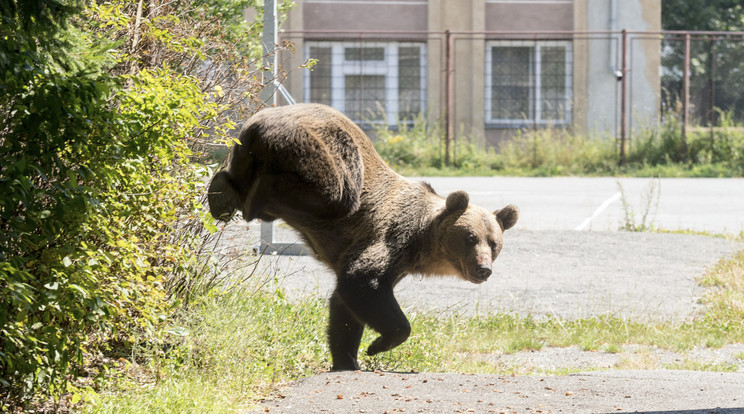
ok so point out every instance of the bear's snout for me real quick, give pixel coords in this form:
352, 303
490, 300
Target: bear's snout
484, 271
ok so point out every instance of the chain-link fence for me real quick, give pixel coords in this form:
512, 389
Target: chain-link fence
714, 67
493, 85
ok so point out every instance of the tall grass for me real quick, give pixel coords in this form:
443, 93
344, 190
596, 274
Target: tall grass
552, 151
417, 148
226, 351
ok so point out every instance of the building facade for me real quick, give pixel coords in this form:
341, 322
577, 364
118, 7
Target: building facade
489, 67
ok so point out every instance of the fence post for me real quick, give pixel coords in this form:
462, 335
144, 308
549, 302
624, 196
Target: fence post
268, 93
623, 95
712, 88
448, 125
686, 92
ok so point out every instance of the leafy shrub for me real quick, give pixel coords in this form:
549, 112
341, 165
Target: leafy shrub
417, 149
706, 152
410, 145
552, 151
99, 121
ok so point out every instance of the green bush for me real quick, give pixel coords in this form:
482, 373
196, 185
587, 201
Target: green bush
660, 150
719, 152
552, 151
100, 209
412, 145
415, 147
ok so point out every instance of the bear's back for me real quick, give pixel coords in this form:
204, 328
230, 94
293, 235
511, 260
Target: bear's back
327, 158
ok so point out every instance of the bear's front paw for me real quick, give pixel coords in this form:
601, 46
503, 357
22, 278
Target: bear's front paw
386, 343
375, 348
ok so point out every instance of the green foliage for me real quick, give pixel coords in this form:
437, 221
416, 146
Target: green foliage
100, 211
559, 152
416, 147
228, 350
649, 205
654, 151
411, 145
725, 15
717, 152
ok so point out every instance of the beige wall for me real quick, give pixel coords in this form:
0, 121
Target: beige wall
468, 53
364, 16
594, 87
525, 16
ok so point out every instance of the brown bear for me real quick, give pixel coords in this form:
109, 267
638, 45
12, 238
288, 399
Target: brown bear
311, 166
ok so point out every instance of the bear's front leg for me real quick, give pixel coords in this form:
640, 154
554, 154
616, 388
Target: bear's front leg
344, 335
372, 302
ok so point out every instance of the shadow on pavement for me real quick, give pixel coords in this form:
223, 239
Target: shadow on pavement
698, 411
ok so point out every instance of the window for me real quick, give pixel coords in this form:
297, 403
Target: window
528, 83
371, 82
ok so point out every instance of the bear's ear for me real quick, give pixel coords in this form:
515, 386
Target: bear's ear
507, 216
457, 201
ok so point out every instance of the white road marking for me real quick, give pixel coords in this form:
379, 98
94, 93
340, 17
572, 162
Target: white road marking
598, 211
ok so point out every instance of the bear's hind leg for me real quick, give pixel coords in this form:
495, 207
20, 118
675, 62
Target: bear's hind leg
377, 308
344, 336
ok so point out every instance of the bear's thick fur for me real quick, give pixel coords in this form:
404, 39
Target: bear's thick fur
311, 166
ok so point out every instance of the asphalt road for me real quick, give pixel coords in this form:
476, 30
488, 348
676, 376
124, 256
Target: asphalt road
713, 205
591, 392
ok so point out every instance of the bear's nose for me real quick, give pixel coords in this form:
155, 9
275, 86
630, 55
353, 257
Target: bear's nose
484, 271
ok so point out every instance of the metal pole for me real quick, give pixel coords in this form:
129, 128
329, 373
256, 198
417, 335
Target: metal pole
448, 96
623, 96
686, 91
268, 93
712, 88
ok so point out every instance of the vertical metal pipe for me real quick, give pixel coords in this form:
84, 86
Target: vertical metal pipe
268, 93
686, 90
448, 124
623, 96
713, 87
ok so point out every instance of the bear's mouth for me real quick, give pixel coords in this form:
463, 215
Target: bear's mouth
474, 274
475, 280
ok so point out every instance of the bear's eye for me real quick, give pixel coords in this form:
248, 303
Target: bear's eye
493, 245
472, 239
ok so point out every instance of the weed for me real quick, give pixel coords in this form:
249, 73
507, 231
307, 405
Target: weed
642, 360
417, 149
649, 205
235, 348
613, 348
689, 364
724, 297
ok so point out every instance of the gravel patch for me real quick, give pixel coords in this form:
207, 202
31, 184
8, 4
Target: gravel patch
567, 274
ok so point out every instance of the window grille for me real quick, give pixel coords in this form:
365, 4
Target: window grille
371, 82
528, 83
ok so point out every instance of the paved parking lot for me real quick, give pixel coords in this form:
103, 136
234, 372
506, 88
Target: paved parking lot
714, 205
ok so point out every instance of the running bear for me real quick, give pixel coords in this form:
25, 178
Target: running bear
311, 166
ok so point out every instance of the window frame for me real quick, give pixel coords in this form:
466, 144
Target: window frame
535, 84
341, 67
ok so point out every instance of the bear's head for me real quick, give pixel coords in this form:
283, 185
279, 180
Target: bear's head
471, 237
